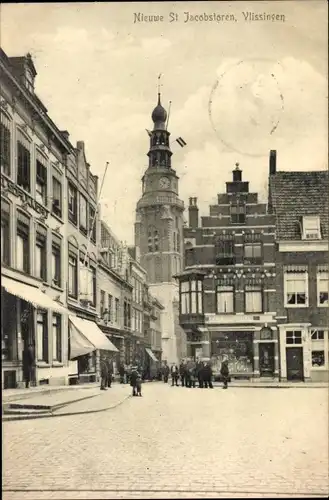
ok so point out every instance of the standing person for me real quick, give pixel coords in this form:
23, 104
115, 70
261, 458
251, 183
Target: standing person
104, 373
208, 375
133, 379
199, 373
122, 372
28, 362
166, 372
174, 375
182, 372
225, 373
109, 372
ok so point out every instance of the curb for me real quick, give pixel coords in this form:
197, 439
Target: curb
51, 415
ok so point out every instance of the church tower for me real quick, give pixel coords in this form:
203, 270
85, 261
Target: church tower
159, 231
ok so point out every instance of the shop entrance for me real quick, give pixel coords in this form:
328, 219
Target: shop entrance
266, 359
295, 364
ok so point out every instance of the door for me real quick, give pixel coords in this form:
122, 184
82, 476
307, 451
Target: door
266, 359
295, 365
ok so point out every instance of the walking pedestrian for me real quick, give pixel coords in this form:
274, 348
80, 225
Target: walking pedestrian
104, 373
28, 362
174, 375
225, 373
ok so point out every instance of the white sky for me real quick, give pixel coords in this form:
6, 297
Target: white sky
97, 75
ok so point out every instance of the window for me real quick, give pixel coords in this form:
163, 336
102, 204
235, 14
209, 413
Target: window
5, 136
317, 335
293, 337
225, 299
323, 288
153, 240
56, 262
5, 232
73, 277
42, 336
83, 214
57, 337
238, 214
41, 254
23, 165
102, 303
72, 203
117, 310
41, 183
191, 297
92, 223
23, 243
311, 228
109, 307
224, 249
57, 197
253, 299
318, 359
252, 253
295, 293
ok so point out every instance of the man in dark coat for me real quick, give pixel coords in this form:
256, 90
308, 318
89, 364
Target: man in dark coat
207, 374
225, 373
199, 373
166, 372
134, 376
109, 372
28, 362
182, 372
104, 373
122, 372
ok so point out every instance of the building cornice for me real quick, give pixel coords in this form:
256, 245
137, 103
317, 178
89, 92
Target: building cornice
33, 102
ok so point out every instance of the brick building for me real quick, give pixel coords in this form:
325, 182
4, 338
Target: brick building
299, 201
227, 289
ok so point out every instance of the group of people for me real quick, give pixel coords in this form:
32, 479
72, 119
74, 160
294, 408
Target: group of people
189, 372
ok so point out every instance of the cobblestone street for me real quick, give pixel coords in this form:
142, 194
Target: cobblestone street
175, 443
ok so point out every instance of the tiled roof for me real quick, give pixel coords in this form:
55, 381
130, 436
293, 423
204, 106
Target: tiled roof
295, 194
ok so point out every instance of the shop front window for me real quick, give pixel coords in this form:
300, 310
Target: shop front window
318, 359
237, 349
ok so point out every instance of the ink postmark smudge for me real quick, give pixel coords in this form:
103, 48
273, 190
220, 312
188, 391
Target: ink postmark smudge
246, 105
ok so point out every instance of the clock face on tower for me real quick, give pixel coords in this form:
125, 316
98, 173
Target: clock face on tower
164, 183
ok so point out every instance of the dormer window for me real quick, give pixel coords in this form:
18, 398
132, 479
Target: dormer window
311, 228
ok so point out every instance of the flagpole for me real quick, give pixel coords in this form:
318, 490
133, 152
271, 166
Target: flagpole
169, 107
96, 212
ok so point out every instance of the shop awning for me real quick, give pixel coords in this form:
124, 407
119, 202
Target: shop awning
151, 354
85, 337
31, 294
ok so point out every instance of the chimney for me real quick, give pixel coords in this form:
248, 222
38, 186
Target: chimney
193, 213
272, 162
65, 134
237, 174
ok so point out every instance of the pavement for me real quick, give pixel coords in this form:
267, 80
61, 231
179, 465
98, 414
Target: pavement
174, 442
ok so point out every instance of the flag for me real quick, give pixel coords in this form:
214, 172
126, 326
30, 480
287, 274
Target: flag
149, 132
181, 142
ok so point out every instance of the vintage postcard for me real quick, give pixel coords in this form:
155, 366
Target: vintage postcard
164, 249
